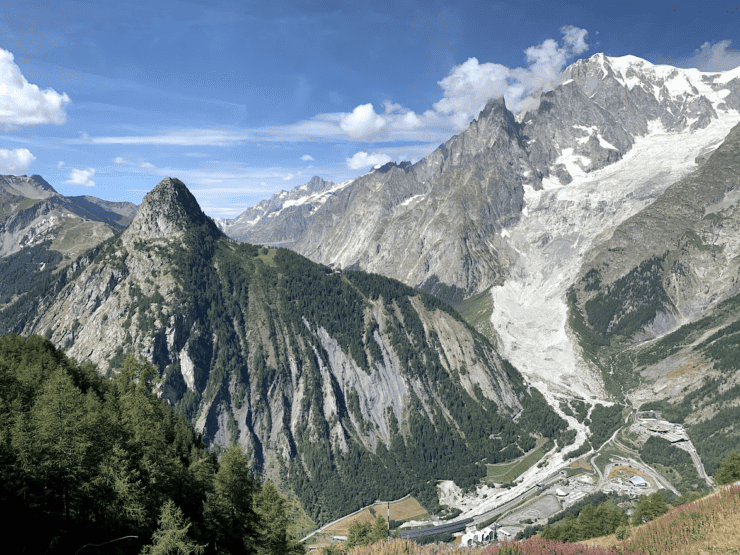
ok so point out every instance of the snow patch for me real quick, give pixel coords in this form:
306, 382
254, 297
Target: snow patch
410, 200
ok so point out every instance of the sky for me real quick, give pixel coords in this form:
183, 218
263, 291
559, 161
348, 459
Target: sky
243, 99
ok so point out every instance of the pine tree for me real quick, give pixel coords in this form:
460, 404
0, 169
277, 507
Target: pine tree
360, 533
272, 509
171, 538
229, 512
729, 470
380, 529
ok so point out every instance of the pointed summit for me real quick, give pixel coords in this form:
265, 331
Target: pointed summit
168, 210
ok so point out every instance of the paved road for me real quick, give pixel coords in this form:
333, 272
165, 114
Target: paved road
456, 526
460, 525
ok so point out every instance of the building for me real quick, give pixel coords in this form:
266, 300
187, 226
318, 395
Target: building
477, 537
638, 482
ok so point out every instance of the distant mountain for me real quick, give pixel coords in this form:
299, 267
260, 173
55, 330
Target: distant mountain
596, 233
656, 305
273, 229
348, 387
41, 230
438, 224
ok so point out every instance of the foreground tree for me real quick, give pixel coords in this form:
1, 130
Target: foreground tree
649, 507
172, 535
229, 511
274, 521
380, 529
729, 470
360, 533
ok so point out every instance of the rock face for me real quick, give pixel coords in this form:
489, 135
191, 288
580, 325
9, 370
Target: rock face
691, 233
673, 263
436, 224
41, 230
323, 377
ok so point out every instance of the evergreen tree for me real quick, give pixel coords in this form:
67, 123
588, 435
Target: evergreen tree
729, 470
649, 507
171, 538
360, 533
272, 510
380, 529
229, 512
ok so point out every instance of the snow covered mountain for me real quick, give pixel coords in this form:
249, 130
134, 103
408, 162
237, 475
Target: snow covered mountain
438, 224
515, 203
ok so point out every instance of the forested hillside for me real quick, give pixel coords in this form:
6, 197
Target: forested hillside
105, 465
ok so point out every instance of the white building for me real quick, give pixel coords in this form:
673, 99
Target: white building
477, 537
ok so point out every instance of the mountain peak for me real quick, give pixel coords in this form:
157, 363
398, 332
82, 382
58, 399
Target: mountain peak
168, 209
34, 187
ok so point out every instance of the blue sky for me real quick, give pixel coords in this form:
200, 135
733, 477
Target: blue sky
243, 99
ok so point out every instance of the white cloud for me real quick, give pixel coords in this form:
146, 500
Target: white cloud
15, 161
713, 57
363, 123
471, 84
468, 87
22, 103
140, 164
60, 164
81, 177
288, 177
307, 158
363, 160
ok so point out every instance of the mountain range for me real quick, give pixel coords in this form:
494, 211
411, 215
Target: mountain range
328, 380
593, 240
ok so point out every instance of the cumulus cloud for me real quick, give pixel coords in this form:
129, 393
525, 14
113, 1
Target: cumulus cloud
307, 158
363, 160
468, 87
22, 103
15, 161
81, 177
471, 84
713, 57
363, 123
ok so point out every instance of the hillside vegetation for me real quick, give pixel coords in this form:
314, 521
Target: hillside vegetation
90, 462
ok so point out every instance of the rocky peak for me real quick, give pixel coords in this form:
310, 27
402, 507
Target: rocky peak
34, 187
167, 210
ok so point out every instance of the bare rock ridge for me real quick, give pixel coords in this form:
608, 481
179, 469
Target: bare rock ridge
437, 224
322, 395
167, 210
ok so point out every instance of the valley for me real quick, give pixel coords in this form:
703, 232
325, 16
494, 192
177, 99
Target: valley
481, 332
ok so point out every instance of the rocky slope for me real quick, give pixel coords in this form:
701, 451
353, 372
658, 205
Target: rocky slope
329, 380
436, 224
41, 230
655, 305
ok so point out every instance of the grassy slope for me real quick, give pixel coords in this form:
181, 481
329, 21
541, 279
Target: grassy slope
477, 311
